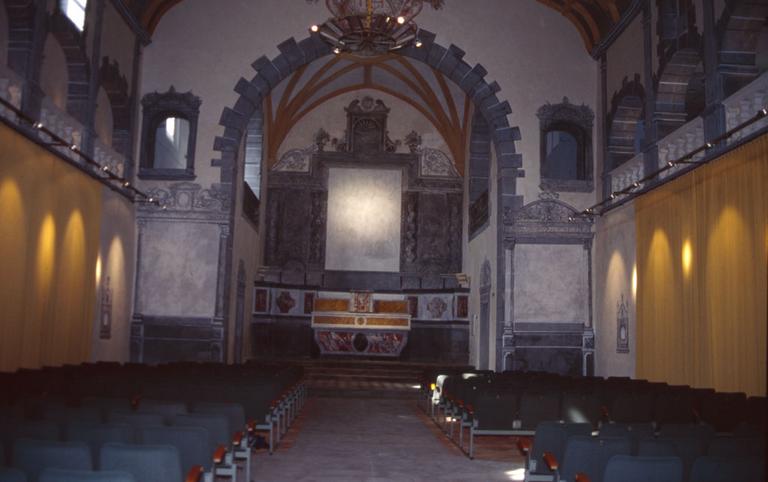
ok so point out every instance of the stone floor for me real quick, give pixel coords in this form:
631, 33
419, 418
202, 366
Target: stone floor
349, 439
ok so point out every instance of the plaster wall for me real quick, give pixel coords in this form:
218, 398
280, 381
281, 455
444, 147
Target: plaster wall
117, 42
364, 208
177, 269
480, 248
116, 261
210, 65
248, 248
103, 121
625, 58
534, 53
551, 284
614, 270
53, 73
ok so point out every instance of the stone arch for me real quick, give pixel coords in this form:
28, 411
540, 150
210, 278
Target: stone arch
78, 67
739, 29
479, 173
115, 84
293, 55
627, 110
673, 88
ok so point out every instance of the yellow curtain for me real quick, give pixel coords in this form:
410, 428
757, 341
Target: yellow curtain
702, 244
50, 217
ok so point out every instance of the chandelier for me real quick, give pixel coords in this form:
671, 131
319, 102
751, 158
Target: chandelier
372, 27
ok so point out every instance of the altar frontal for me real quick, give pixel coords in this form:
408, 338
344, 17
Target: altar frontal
361, 323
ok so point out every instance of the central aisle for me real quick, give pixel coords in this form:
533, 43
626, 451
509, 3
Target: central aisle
348, 439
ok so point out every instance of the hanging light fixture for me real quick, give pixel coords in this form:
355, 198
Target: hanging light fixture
372, 27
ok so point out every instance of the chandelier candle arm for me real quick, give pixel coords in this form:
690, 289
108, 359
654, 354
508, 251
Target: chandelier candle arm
372, 27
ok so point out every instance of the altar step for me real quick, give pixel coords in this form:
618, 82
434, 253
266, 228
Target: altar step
362, 378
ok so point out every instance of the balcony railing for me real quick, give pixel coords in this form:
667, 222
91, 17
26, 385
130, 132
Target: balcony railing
739, 107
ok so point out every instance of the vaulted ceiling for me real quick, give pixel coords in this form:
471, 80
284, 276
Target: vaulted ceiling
592, 18
428, 91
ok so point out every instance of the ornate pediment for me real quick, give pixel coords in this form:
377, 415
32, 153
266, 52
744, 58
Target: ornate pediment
188, 197
547, 219
545, 211
580, 115
366, 128
183, 102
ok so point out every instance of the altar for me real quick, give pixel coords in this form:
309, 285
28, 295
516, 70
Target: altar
360, 323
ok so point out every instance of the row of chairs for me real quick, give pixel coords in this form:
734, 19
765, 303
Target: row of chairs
514, 403
267, 392
560, 451
53, 432
626, 468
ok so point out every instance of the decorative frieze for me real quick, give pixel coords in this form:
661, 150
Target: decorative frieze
189, 201
546, 218
740, 107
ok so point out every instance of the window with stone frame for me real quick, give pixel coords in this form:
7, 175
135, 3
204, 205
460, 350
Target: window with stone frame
566, 147
169, 132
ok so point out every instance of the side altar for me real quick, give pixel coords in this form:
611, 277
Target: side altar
361, 323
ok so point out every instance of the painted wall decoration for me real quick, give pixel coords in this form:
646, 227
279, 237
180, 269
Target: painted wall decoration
436, 163
462, 306
296, 160
309, 303
413, 306
105, 316
285, 302
357, 343
622, 325
436, 307
362, 302
261, 300
364, 209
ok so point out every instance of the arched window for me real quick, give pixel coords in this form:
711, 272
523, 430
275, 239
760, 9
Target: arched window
168, 136
566, 147
75, 11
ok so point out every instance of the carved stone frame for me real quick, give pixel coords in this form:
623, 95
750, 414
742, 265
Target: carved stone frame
545, 221
156, 107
